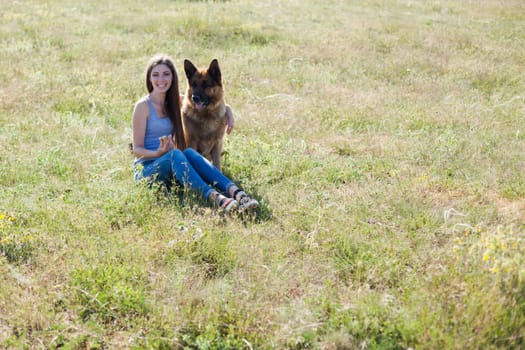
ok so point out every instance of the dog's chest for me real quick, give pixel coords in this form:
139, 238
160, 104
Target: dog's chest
205, 120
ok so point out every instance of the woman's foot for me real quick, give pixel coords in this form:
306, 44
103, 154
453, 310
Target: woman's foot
247, 203
224, 203
228, 204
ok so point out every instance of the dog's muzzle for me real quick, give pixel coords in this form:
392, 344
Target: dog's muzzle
200, 100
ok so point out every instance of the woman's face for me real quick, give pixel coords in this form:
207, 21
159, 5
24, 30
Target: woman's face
161, 78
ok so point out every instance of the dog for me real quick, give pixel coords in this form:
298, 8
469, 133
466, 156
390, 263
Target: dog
203, 111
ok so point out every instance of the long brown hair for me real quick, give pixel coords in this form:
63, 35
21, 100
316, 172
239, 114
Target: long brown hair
172, 102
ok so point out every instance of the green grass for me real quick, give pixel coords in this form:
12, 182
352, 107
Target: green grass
384, 140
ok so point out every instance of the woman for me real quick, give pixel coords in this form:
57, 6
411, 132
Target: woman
158, 142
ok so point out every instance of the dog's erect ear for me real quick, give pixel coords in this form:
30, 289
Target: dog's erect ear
215, 71
189, 68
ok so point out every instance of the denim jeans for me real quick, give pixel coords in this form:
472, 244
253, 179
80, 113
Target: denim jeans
188, 168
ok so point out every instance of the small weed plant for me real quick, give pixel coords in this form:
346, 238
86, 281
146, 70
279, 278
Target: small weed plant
16, 243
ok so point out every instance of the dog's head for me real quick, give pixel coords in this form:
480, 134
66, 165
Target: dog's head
204, 85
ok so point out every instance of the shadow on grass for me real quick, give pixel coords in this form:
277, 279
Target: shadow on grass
179, 197
261, 214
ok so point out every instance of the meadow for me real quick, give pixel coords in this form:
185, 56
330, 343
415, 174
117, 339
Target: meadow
385, 140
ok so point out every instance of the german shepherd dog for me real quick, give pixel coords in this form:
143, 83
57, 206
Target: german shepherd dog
203, 111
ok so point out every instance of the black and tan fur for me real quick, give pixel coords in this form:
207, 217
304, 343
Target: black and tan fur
203, 111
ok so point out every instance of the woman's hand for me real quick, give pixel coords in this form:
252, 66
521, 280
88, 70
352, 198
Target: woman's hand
166, 144
229, 119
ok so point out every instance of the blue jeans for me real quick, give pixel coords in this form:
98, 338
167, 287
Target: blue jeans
188, 167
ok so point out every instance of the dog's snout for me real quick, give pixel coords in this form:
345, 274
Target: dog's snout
199, 98
196, 98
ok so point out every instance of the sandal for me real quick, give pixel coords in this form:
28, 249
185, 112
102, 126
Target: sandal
248, 203
227, 204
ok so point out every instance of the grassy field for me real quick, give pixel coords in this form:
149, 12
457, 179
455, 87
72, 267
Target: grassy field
384, 139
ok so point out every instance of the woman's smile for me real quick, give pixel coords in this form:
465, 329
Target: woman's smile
161, 77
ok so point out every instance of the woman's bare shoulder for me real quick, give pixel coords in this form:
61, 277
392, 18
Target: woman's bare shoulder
141, 107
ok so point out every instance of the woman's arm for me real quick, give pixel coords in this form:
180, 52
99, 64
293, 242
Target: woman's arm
140, 118
229, 119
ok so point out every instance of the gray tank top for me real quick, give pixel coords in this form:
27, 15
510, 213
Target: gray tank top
155, 128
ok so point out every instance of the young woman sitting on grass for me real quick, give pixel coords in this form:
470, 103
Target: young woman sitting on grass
159, 148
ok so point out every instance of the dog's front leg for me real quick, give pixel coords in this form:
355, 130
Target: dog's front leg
216, 157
